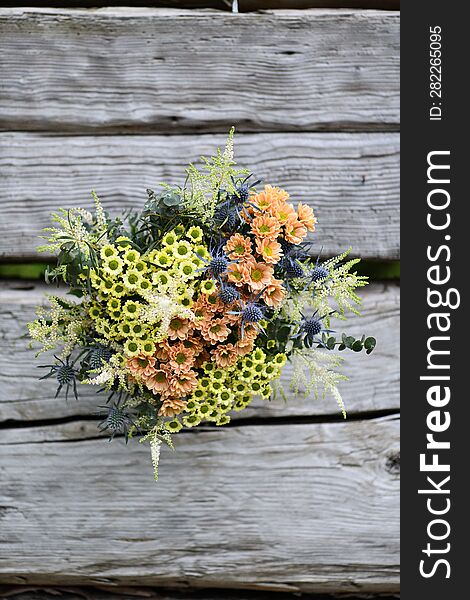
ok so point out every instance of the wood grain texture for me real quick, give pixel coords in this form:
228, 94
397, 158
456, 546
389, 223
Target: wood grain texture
140, 593
310, 508
243, 5
351, 180
168, 70
373, 384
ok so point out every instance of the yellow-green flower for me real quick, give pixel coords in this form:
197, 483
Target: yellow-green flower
239, 387
131, 257
163, 259
123, 242
125, 328
270, 370
218, 375
160, 278
198, 395
204, 383
225, 398
223, 420
131, 309
147, 347
191, 420
131, 348
140, 266
182, 250
118, 289
114, 304
266, 392
174, 425
194, 234
107, 251
258, 355
137, 329
202, 252
280, 359
187, 269
112, 266
106, 286
216, 386
131, 279
208, 286
103, 326
204, 410
95, 311
169, 239
191, 405
144, 286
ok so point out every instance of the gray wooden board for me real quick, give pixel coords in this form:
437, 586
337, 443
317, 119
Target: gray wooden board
169, 70
373, 384
87, 593
351, 180
307, 507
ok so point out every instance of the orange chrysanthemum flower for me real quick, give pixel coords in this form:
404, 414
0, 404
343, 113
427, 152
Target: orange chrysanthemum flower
171, 407
141, 366
306, 216
161, 352
215, 331
159, 382
236, 273
282, 211
258, 275
225, 355
274, 294
179, 328
294, 231
266, 227
181, 358
194, 344
270, 250
238, 246
269, 196
244, 346
184, 383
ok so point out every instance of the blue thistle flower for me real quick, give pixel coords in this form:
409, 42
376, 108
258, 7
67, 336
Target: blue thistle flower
251, 313
229, 294
319, 273
310, 328
66, 375
117, 420
97, 356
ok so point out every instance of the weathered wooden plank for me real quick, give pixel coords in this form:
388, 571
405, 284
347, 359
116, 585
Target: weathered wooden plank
166, 70
139, 593
243, 5
351, 180
311, 508
373, 384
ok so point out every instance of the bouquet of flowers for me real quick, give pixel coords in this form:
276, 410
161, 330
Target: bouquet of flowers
185, 311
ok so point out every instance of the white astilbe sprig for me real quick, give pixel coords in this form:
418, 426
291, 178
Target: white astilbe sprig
313, 373
156, 436
71, 230
202, 194
101, 221
78, 227
61, 323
